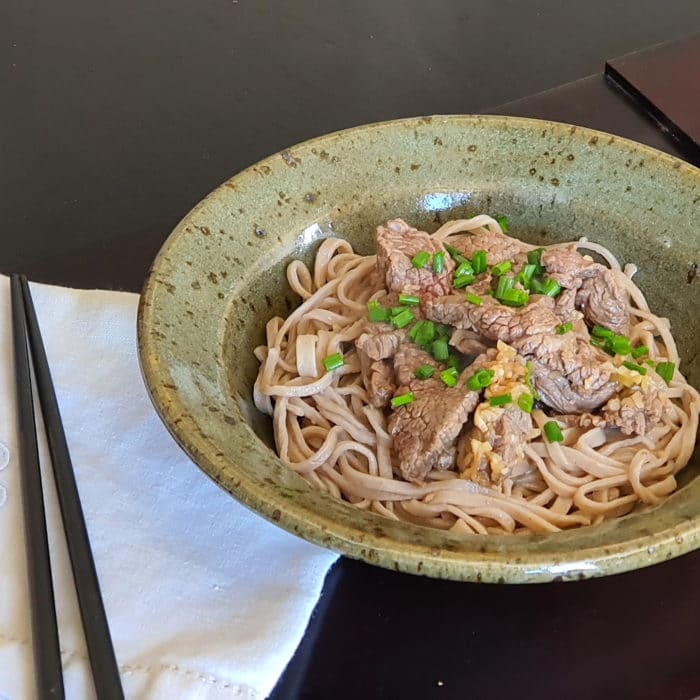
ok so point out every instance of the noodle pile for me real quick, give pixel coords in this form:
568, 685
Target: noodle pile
326, 430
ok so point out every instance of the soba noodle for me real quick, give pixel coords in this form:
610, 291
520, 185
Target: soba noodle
327, 431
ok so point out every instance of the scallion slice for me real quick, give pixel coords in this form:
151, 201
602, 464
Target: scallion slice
526, 274
452, 362
501, 268
601, 332
401, 320
526, 402
639, 351
665, 370
502, 222
464, 268
425, 334
438, 263
534, 257
635, 367
553, 432
439, 349
514, 297
424, 372
500, 400
333, 361
449, 376
564, 328
462, 281
376, 312
504, 284
420, 259
402, 399
409, 300
473, 299
619, 344
479, 261
480, 380
454, 253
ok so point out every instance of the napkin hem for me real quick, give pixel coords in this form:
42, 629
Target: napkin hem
219, 687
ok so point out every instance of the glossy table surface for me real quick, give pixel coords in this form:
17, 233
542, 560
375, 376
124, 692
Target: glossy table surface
118, 117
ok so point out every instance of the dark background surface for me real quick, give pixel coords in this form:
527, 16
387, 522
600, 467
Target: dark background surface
117, 117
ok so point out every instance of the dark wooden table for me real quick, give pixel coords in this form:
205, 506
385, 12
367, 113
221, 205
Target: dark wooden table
117, 118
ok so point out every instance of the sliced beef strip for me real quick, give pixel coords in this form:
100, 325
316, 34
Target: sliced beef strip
378, 378
380, 340
397, 243
492, 319
604, 301
565, 307
570, 374
498, 246
425, 431
599, 295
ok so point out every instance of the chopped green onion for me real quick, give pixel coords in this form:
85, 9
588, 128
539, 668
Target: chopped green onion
473, 299
651, 363
502, 222
480, 380
500, 400
553, 432
601, 332
464, 268
452, 362
413, 332
438, 263
462, 281
409, 300
424, 372
395, 310
402, 399
551, 287
564, 328
420, 259
479, 260
504, 284
534, 257
619, 344
333, 361
526, 402
402, 319
501, 268
377, 313
425, 333
526, 274
635, 367
546, 286
439, 349
454, 253
639, 351
514, 297
449, 376
665, 370
597, 343
441, 330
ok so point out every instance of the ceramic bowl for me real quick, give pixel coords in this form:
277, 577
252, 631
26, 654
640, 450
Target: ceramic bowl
220, 276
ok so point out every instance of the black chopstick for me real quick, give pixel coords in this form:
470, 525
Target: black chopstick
97, 636
47, 654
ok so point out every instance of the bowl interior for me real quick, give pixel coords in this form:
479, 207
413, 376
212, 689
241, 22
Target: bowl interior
221, 276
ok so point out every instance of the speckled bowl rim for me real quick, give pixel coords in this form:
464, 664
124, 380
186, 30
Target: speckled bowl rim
522, 564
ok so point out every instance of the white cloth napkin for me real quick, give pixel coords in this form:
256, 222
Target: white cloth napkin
205, 599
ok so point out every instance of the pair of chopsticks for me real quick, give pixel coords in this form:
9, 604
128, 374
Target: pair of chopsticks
47, 655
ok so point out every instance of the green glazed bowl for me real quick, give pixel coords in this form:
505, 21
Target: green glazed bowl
220, 276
